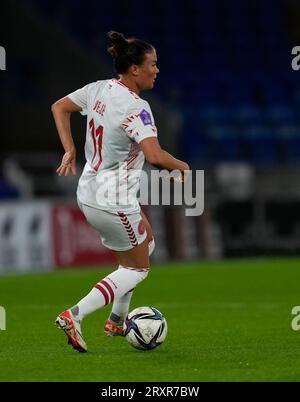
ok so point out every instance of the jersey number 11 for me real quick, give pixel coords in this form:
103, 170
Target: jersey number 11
97, 136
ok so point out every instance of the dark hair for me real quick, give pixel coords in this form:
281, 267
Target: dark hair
126, 52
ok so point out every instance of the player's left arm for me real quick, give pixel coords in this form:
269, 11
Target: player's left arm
61, 111
140, 127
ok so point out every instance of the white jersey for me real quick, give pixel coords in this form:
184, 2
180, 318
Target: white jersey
117, 121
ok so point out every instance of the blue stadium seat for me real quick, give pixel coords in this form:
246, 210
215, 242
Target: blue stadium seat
259, 145
247, 115
288, 137
215, 115
225, 143
280, 115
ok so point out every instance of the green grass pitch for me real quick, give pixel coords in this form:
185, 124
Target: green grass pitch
228, 321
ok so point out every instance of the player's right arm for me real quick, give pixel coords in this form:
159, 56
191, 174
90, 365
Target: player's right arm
62, 110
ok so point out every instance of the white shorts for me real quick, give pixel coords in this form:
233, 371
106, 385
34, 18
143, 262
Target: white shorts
118, 231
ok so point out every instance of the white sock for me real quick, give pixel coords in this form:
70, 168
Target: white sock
113, 286
120, 308
121, 305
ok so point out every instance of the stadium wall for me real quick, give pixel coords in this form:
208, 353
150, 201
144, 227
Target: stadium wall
40, 236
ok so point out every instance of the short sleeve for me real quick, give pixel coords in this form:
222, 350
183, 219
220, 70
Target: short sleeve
139, 123
80, 98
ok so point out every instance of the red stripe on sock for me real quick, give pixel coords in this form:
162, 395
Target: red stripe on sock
108, 287
104, 292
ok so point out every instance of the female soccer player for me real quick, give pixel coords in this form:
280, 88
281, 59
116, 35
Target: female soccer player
120, 134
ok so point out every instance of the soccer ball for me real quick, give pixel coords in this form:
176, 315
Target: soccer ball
145, 328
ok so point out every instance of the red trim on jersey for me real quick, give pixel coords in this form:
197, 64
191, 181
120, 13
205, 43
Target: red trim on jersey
125, 86
128, 228
122, 83
133, 154
130, 162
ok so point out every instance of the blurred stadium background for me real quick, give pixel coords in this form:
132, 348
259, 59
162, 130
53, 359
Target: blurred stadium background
227, 100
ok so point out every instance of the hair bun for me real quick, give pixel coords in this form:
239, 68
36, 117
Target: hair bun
116, 38
118, 43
